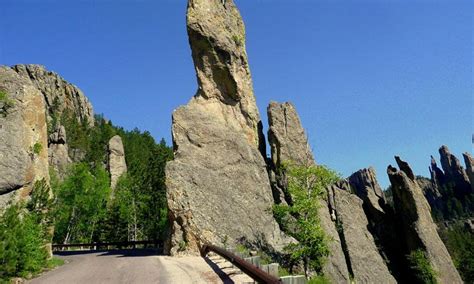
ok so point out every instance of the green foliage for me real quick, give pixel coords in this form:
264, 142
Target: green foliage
307, 186
137, 209
37, 148
5, 103
81, 204
421, 267
460, 244
24, 232
54, 262
320, 279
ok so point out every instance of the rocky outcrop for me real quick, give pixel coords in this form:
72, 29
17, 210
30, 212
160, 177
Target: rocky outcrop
23, 137
454, 172
58, 151
469, 161
365, 186
366, 263
417, 226
288, 143
287, 138
218, 188
430, 191
117, 165
59, 95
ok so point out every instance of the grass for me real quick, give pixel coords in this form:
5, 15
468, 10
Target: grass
54, 262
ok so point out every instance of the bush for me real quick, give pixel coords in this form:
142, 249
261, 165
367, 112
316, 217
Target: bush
5, 103
37, 148
421, 267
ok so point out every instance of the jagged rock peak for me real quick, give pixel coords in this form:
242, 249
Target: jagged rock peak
405, 167
59, 94
469, 161
116, 164
454, 171
364, 182
419, 230
286, 135
219, 177
217, 38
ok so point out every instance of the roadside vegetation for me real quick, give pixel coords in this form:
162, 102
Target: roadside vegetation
24, 235
307, 186
87, 210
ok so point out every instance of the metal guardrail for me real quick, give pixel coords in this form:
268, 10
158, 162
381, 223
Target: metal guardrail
251, 270
116, 244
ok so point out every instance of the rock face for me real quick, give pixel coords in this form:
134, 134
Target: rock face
23, 137
288, 143
59, 95
418, 228
365, 185
469, 161
454, 172
58, 151
116, 162
367, 265
287, 138
218, 188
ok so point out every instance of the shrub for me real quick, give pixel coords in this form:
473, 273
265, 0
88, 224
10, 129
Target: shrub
421, 267
307, 186
37, 148
5, 103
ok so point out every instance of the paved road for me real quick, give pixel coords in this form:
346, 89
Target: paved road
133, 266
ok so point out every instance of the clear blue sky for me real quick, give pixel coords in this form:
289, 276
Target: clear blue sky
370, 79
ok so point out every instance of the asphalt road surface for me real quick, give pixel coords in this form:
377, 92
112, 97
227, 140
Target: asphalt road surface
132, 266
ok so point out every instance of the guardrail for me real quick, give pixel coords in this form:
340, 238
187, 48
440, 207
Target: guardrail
251, 270
111, 244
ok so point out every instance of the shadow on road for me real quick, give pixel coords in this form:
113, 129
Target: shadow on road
118, 253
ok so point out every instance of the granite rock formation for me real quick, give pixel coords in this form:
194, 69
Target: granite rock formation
366, 262
418, 228
23, 137
116, 164
289, 144
59, 95
218, 188
58, 151
287, 138
469, 162
454, 172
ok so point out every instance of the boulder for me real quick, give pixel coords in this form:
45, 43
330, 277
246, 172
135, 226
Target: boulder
23, 137
418, 229
469, 161
218, 188
117, 165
